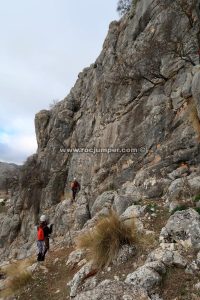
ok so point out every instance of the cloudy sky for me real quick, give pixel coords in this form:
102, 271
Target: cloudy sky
44, 45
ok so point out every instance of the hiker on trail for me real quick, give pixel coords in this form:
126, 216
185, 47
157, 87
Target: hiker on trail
75, 187
40, 242
43, 237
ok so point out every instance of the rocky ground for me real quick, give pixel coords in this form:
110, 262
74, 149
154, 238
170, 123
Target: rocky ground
164, 263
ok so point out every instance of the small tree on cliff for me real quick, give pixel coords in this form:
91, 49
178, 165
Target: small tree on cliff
123, 6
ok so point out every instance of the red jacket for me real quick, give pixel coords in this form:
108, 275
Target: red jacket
75, 185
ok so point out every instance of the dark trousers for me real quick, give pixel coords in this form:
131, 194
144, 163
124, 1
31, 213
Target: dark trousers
41, 254
41, 250
74, 192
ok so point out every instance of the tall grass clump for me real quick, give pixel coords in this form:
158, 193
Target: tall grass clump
20, 281
105, 239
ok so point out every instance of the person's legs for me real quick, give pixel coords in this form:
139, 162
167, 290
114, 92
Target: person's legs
46, 247
73, 195
40, 245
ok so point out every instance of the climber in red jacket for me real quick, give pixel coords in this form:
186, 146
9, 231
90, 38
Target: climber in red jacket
75, 187
43, 232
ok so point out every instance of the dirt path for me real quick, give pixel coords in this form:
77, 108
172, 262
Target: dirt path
50, 282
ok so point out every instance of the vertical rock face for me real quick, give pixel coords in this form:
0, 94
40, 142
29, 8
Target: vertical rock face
140, 99
8, 174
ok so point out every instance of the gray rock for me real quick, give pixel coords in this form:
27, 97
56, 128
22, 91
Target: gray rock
78, 278
178, 260
89, 284
192, 268
178, 172
197, 286
194, 183
9, 229
104, 200
133, 211
111, 290
147, 276
75, 257
167, 257
187, 86
129, 189
170, 66
198, 259
9, 173
196, 90
121, 203
125, 253
177, 99
82, 215
183, 225
156, 297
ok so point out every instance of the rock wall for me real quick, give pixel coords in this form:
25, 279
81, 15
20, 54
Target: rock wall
8, 175
142, 93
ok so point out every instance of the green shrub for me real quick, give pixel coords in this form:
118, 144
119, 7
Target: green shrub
197, 209
105, 239
196, 198
179, 208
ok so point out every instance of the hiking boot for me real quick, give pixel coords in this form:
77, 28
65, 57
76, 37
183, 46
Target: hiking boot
39, 257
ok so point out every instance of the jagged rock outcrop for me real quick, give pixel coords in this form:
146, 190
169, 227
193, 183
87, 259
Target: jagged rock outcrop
183, 225
8, 175
140, 100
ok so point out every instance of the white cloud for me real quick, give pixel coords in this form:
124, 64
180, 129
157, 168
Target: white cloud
16, 148
4, 138
44, 45
26, 144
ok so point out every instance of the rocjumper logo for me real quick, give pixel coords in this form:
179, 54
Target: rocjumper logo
104, 150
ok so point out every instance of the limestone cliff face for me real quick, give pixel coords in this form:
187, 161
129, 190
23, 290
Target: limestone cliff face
142, 93
8, 175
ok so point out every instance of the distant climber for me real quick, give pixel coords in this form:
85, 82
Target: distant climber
75, 187
43, 237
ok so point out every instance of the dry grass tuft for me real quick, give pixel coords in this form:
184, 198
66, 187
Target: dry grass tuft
16, 276
105, 239
147, 242
20, 281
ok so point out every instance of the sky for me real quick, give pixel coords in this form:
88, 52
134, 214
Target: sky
44, 45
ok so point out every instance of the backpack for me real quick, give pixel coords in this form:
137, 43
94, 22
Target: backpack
40, 234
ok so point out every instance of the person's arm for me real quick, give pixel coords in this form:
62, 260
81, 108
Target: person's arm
50, 228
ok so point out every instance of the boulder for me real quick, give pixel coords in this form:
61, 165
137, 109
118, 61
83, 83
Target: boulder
134, 211
122, 202
75, 257
78, 278
109, 289
82, 215
167, 257
104, 200
148, 276
183, 225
